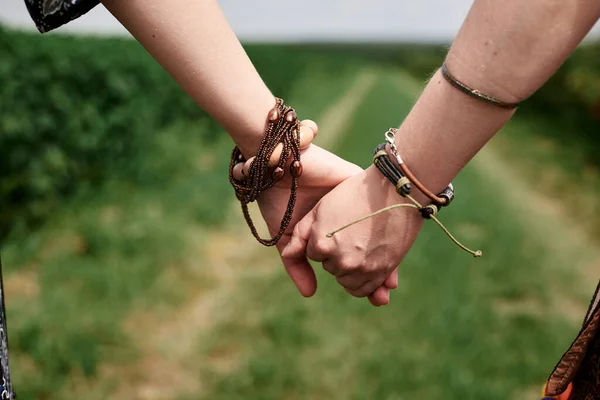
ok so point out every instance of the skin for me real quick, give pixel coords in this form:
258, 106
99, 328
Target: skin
196, 46
506, 49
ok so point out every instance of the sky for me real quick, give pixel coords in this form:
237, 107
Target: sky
303, 20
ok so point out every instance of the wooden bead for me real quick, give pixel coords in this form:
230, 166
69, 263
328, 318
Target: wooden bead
296, 169
273, 115
277, 174
238, 172
290, 116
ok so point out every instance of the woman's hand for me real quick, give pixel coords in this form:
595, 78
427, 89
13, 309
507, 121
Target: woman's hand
322, 171
364, 257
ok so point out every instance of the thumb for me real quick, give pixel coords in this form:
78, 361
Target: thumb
391, 281
302, 274
297, 246
293, 256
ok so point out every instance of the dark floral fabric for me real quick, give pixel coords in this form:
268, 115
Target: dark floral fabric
580, 365
6, 391
50, 14
587, 381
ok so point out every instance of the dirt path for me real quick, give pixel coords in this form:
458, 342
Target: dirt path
570, 246
171, 344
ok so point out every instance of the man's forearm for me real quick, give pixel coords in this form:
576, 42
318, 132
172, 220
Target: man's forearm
504, 49
196, 46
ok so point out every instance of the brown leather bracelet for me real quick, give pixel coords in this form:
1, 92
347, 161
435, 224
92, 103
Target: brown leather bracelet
440, 200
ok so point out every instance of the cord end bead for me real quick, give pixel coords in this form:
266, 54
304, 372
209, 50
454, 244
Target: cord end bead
478, 253
428, 211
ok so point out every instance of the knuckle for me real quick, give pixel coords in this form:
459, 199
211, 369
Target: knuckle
356, 292
321, 246
351, 264
346, 267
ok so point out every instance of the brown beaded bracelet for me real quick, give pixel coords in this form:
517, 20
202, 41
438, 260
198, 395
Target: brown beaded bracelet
474, 92
282, 127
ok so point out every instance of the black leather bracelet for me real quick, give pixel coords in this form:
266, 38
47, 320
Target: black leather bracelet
476, 94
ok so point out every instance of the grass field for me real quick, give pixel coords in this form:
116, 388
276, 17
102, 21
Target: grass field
157, 290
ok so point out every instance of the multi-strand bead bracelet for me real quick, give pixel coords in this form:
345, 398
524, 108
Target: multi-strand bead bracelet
249, 178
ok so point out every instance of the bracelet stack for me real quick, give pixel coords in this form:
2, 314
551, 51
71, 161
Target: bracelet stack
397, 172
282, 129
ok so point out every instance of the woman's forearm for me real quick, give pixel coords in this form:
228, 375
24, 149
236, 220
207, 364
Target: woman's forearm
194, 43
505, 49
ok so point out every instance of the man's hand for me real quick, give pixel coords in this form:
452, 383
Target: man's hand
323, 171
364, 257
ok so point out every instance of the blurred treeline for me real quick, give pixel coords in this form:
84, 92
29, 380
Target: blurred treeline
75, 110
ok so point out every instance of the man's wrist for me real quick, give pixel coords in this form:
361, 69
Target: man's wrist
387, 191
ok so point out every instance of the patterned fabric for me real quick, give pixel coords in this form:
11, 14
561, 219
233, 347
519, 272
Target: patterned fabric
6, 392
580, 365
50, 14
587, 381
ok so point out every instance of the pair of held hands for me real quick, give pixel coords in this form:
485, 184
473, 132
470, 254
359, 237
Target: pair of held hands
332, 192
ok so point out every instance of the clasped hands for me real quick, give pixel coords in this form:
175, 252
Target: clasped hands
332, 192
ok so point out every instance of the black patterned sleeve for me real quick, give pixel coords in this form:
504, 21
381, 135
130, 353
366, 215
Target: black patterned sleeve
50, 14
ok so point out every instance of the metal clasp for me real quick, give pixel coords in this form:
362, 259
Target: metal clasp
390, 138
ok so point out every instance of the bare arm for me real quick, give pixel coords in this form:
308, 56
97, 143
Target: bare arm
196, 46
193, 41
506, 49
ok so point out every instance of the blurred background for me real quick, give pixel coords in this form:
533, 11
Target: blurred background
129, 271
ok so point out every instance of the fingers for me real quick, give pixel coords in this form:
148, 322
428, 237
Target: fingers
391, 282
380, 297
296, 248
301, 273
308, 131
275, 155
240, 170
358, 285
312, 125
237, 172
365, 289
306, 136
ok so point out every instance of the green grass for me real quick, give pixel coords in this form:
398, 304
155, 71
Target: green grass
107, 252
456, 328
566, 176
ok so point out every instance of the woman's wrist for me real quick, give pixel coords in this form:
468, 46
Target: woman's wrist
247, 128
